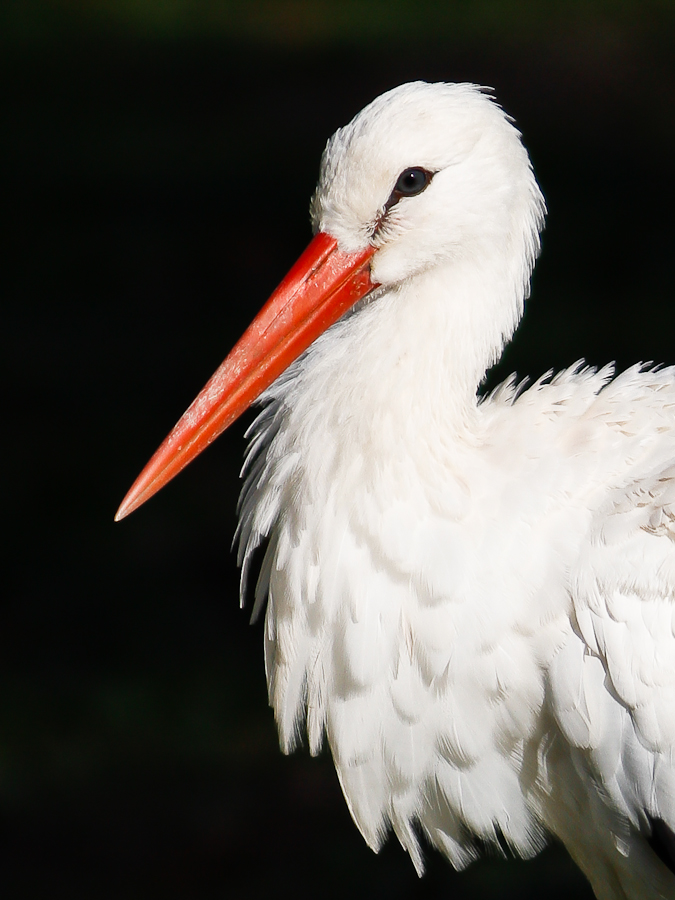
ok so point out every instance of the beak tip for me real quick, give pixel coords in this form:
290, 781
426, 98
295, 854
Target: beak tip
130, 503
121, 513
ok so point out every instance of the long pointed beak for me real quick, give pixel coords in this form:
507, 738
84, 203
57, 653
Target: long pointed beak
322, 285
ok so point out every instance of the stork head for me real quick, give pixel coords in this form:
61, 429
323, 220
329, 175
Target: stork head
427, 174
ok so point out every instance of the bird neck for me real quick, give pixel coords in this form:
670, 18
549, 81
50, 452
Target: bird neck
411, 361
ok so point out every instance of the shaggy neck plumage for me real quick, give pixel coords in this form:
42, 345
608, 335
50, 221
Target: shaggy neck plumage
368, 372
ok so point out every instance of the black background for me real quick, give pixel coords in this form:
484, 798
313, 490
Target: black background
156, 179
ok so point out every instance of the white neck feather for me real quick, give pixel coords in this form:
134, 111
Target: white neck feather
367, 373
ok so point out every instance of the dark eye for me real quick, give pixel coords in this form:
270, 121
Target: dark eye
411, 182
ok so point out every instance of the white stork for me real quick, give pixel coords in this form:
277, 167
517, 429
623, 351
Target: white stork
472, 599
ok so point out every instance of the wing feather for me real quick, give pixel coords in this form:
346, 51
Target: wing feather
613, 681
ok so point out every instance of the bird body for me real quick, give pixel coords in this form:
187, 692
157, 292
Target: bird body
440, 615
473, 599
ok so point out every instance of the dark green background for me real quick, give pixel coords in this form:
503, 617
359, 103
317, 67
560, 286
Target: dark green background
157, 159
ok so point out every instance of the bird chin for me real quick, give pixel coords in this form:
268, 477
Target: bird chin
372, 297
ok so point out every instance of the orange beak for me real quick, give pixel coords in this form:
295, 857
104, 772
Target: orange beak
322, 285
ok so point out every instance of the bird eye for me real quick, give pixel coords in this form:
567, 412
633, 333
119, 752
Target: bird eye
411, 182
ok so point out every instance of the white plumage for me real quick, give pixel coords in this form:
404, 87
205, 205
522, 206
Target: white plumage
472, 599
